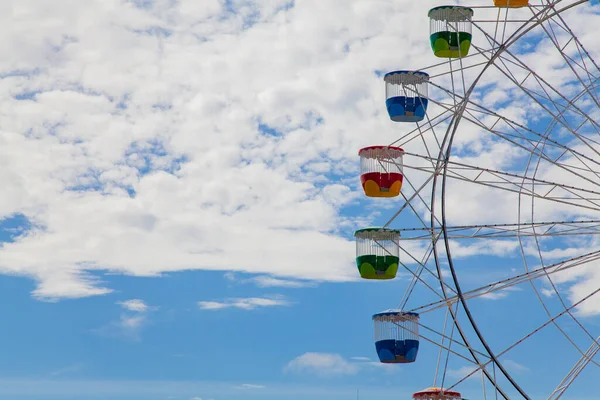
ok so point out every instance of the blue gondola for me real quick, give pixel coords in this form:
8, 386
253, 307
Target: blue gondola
406, 95
396, 336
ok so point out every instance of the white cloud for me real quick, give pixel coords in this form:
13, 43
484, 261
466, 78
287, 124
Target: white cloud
501, 294
127, 327
230, 276
250, 303
267, 281
264, 281
119, 108
366, 362
515, 366
135, 305
322, 364
460, 373
131, 322
250, 386
360, 358
74, 368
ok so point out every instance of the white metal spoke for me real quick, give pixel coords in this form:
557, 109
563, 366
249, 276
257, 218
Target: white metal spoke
569, 61
513, 281
442, 345
544, 190
575, 371
519, 138
546, 96
532, 333
506, 231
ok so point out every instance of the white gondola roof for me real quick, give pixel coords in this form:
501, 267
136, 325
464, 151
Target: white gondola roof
451, 14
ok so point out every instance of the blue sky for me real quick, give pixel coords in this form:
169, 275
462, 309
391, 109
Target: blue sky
180, 191
81, 340
74, 347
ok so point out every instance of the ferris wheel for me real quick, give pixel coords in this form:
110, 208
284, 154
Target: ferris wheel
499, 158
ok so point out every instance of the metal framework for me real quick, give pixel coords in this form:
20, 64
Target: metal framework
548, 175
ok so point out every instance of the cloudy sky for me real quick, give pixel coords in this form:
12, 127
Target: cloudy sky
179, 190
